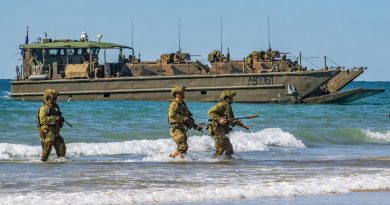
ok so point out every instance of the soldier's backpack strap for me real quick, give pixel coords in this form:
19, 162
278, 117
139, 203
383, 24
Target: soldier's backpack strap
58, 109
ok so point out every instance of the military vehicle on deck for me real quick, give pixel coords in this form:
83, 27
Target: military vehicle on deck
74, 68
271, 61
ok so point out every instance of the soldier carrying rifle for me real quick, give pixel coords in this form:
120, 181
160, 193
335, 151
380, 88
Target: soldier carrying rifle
180, 120
221, 121
49, 123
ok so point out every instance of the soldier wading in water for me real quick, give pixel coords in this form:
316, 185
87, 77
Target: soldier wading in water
180, 120
49, 123
221, 122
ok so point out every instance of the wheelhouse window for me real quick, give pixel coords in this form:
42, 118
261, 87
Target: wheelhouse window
53, 52
71, 51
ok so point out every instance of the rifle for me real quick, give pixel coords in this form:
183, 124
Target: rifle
63, 119
232, 121
190, 123
246, 117
68, 123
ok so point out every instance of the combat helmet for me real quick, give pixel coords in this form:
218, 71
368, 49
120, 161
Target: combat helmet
49, 95
177, 89
227, 93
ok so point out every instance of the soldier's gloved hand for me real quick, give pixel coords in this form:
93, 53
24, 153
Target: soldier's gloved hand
61, 119
222, 121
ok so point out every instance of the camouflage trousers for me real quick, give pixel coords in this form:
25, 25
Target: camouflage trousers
179, 136
58, 144
222, 142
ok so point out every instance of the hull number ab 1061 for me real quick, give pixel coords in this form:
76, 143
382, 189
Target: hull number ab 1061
261, 80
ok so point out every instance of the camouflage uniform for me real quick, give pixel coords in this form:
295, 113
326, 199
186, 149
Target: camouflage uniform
48, 127
180, 119
220, 132
95, 68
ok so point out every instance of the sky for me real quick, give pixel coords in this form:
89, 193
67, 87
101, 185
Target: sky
350, 32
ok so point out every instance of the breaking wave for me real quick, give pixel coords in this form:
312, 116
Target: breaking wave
242, 141
4, 95
345, 136
257, 188
377, 136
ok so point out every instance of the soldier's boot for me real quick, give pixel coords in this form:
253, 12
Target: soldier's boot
181, 150
59, 146
46, 149
228, 147
174, 154
177, 153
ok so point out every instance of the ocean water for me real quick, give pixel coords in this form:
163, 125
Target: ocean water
117, 153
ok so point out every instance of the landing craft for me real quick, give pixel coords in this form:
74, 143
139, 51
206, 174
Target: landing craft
74, 69
273, 62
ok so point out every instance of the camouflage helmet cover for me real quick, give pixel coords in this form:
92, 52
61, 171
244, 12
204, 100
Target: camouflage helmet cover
49, 95
227, 93
177, 89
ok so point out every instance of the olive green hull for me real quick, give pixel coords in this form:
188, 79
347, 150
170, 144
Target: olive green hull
344, 97
263, 87
342, 79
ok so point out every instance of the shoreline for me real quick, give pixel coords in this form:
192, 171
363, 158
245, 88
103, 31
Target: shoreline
355, 198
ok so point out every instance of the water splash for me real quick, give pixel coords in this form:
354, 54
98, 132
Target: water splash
242, 141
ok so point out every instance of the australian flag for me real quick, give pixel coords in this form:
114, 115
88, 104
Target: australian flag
25, 42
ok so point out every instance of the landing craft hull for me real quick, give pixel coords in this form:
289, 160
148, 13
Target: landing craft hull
344, 97
342, 79
259, 87
334, 85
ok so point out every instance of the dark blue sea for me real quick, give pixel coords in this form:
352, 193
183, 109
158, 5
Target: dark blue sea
117, 153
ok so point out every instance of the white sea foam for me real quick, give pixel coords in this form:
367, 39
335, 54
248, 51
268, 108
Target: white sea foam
255, 189
378, 136
9, 151
5, 95
252, 141
242, 141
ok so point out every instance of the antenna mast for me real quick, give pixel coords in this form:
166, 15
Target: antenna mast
269, 37
179, 37
221, 34
132, 34
132, 28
